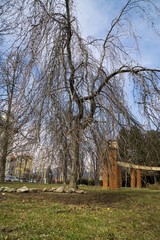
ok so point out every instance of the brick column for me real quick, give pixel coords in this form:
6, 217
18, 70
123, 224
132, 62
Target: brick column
119, 176
113, 173
139, 183
105, 174
133, 178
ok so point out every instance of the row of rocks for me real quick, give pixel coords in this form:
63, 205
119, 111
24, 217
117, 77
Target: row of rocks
64, 189
24, 189
19, 190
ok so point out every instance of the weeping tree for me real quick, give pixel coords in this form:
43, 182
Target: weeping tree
86, 79
92, 85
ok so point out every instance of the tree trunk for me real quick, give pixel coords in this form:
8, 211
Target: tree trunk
155, 178
3, 160
2, 168
126, 179
64, 165
96, 174
74, 159
63, 153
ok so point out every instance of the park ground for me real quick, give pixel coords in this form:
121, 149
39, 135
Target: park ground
98, 214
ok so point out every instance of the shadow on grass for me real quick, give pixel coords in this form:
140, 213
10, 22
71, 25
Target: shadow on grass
94, 196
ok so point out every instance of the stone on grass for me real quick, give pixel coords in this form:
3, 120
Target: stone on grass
80, 191
45, 189
9, 190
60, 189
23, 189
33, 190
51, 189
69, 190
2, 189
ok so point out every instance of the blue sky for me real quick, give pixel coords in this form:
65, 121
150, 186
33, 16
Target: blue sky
95, 18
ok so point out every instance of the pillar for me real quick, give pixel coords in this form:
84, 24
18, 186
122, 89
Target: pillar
119, 176
139, 184
113, 173
133, 178
105, 174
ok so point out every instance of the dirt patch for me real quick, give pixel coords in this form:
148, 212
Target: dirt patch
105, 199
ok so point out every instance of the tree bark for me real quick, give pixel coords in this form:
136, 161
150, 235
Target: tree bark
64, 165
3, 159
2, 168
75, 158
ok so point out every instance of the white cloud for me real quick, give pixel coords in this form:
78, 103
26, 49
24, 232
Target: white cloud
93, 16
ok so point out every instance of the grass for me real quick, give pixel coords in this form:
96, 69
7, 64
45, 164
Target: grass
123, 214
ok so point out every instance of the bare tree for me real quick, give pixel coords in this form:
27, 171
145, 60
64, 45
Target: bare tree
80, 84
90, 84
16, 107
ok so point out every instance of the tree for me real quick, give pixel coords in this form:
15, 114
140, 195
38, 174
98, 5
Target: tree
139, 147
91, 85
132, 145
16, 103
152, 145
8, 85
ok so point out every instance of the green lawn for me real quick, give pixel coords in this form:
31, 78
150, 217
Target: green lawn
98, 214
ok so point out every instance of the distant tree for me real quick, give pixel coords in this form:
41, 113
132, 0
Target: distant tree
131, 145
17, 122
49, 174
152, 146
8, 83
139, 147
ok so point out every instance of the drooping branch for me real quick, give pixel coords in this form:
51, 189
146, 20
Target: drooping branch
123, 70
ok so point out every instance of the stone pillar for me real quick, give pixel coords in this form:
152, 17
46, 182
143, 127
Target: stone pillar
133, 178
139, 183
105, 174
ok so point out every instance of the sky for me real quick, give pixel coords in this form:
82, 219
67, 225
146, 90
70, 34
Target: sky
95, 18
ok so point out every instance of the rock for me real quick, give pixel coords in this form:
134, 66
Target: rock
9, 190
69, 190
45, 189
60, 189
2, 189
80, 191
23, 189
33, 190
52, 189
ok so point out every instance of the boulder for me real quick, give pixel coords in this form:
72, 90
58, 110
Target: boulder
23, 189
